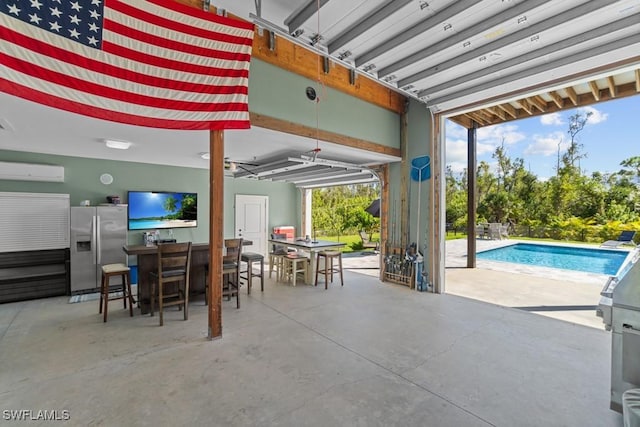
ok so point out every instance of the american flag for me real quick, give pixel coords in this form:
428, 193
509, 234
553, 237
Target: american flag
151, 63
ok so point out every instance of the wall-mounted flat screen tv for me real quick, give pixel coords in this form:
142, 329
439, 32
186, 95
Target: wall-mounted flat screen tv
162, 209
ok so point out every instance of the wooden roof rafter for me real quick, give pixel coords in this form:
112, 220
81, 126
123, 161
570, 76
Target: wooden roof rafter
476, 118
525, 106
573, 96
579, 94
539, 103
498, 112
613, 90
557, 99
509, 109
595, 91
486, 114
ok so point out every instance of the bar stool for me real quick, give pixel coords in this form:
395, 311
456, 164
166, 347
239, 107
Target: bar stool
275, 263
329, 256
111, 270
292, 265
250, 258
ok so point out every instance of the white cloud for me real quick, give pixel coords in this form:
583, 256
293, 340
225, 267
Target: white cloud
457, 167
482, 148
456, 151
454, 130
547, 145
596, 117
489, 138
494, 135
553, 119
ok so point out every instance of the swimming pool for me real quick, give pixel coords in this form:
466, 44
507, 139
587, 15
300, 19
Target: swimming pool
601, 261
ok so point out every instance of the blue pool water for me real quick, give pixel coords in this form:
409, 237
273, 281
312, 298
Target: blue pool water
601, 261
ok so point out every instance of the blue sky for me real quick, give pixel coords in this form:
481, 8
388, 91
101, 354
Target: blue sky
609, 137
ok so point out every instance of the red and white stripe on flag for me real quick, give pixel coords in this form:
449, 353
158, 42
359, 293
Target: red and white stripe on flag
153, 63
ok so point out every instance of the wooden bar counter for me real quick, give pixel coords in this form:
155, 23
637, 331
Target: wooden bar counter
148, 261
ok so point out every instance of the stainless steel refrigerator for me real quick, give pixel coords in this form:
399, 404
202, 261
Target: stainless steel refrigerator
97, 236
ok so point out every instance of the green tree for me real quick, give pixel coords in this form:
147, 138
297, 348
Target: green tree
169, 204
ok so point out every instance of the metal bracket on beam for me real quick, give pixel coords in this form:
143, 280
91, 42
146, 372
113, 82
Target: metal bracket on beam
222, 12
272, 41
352, 76
325, 64
206, 5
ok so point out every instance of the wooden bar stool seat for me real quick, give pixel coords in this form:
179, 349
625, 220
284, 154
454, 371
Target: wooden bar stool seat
249, 258
292, 265
114, 270
275, 263
328, 268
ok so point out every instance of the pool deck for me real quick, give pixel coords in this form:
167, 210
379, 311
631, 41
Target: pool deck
561, 294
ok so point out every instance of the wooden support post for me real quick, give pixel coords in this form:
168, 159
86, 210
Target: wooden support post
404, 187
216, 213
471, 195
383, 173
433, 252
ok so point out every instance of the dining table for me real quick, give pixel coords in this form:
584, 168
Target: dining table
310, 246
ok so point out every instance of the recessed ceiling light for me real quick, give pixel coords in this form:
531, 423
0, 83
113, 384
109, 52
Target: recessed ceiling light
205, 155
118, 145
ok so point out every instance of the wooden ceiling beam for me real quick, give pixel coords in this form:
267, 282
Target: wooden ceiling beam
557, 99
572, 99
526, 107
594, 90
509, 109
612, 86
462, 120
573, 96
476, 118
292, 57
498, 112
485, 114
538, 102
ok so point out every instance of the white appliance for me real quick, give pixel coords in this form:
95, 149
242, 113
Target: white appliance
620, 311
97, 236
31, 172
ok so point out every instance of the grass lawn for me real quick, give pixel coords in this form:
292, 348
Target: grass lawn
348, 239
354, 238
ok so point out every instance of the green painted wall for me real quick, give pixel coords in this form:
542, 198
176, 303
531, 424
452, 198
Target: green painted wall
82, 182
281, 94
418, 134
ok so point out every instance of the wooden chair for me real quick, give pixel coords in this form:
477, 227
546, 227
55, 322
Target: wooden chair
108, 271
170, 283
230, 271
329, 269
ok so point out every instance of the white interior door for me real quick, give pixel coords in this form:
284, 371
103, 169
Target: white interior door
251, 221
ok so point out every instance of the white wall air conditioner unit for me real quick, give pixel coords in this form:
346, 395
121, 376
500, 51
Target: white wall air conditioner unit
31, 172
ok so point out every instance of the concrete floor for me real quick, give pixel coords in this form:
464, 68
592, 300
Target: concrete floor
366, 354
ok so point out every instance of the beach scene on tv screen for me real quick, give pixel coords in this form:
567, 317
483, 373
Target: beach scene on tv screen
149, 210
